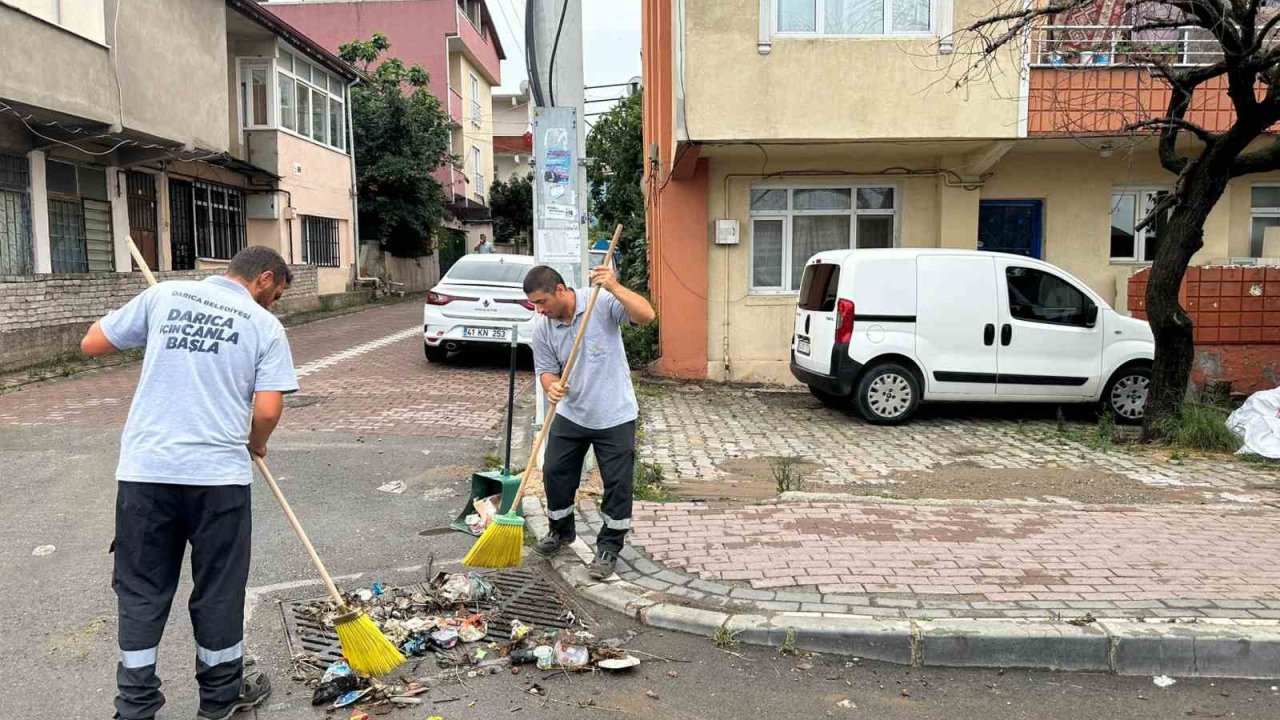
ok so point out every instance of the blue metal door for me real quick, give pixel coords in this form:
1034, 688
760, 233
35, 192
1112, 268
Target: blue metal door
1011, 226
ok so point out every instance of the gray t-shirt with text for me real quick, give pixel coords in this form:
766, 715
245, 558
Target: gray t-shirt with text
210, 347
600, 394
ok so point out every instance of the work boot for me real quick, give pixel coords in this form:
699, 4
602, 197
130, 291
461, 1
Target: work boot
254, 693
602, 567
550, 544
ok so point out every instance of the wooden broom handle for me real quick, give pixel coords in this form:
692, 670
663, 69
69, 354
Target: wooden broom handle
568, 367
297, 530
262, 468
142, 263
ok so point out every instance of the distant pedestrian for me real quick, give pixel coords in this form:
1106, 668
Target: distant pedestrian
597, 412
216, 369
484, 246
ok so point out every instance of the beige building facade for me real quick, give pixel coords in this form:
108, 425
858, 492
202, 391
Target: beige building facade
196, 127
810, 125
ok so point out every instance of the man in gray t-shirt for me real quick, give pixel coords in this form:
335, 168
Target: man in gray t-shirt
597, 410
216, 369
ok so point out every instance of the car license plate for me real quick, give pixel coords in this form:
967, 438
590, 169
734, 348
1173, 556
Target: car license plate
485, 333
802, 345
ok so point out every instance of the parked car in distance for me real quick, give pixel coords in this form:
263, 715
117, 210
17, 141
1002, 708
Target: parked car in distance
478, 302
889, 329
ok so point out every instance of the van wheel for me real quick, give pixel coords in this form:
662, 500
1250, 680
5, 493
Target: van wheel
827, 399
1126, 395
434, 354
888, 394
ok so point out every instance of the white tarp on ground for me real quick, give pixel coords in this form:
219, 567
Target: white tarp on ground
1257, 423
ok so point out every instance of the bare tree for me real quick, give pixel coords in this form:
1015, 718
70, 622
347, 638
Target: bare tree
1236, 49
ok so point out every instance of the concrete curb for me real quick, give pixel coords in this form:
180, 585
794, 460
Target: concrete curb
1207, 648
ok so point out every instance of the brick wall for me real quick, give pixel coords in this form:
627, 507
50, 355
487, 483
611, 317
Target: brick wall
44, 316
1236, 312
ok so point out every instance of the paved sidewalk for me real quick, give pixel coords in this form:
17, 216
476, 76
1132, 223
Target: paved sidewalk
1214, 639
696, 432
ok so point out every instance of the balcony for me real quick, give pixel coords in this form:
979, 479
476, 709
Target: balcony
1098, 79
1112, 46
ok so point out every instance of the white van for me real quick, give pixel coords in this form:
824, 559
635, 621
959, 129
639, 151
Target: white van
891, 328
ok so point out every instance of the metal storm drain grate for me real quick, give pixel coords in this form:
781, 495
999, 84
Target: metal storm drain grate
523, 594
300, 401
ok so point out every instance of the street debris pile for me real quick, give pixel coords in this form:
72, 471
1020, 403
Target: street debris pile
447, 621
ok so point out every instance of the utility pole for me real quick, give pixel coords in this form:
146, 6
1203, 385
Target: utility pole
560, 226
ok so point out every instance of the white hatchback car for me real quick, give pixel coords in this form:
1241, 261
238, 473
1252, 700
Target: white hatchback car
478, 302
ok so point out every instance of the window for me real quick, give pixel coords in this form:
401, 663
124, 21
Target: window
791, 224
475, 168
80, 234
218, 213
853, 17
1264, 213
320, 241
1128, 209
818, 292
1038, 296
312, 102
489, 272
475, 101
15, 216
255, 94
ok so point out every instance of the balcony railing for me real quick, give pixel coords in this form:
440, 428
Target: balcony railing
1069, 46
455, 106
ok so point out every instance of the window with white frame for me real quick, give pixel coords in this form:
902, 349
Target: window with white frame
790, 224
1129, 206
475, 101
1264, 214
255, 94
853, 18
476, 170
311, 100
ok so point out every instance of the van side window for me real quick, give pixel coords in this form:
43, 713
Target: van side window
819, 288
1037, 296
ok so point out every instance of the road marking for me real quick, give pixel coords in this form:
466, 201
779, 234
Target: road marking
316, 366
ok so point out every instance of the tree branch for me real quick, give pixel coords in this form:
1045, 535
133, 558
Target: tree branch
1204, 135
1264, 160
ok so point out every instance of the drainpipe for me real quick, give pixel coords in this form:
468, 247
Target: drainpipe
355, 192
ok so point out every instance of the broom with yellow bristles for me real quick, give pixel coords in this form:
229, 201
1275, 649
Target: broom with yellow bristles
502, 543
366, 649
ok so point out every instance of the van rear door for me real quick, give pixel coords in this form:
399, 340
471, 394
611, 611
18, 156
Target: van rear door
816, 310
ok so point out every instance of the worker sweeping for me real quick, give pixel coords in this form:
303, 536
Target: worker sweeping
597, 411
211, 392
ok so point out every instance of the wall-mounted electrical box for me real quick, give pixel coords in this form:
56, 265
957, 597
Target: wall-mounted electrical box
262, 206
727, 232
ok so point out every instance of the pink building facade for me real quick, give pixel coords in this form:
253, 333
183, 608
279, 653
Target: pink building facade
457, 43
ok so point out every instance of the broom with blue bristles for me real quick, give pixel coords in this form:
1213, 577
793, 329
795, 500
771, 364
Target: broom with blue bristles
502, 543
366, 648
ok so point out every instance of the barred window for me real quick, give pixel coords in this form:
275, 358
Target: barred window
219, 221
320, 241
15, 216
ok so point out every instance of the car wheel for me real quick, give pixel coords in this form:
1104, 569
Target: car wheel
434, 354
1126, 395
827, 399
888, 394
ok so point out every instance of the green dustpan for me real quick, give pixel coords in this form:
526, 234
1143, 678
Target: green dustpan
496, 482
487, 484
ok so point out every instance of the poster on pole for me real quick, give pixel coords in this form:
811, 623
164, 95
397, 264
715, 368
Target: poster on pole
560, 245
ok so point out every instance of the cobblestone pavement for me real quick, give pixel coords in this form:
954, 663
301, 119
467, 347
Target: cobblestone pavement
937, 559
362, 372
690, 431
